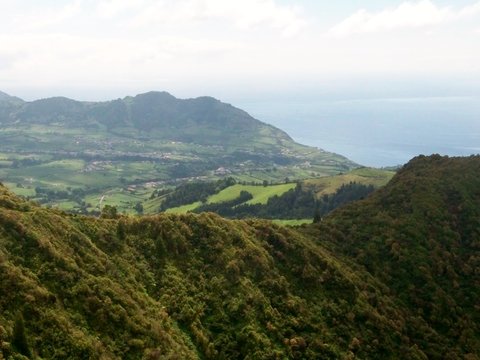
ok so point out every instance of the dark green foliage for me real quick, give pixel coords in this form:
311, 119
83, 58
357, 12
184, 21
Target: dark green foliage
195, 191
139, 208
394, 276
420, 236
293, 204
109, 212
226, 208
19, 337
344, 195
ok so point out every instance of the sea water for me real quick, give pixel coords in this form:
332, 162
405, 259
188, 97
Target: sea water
380, 131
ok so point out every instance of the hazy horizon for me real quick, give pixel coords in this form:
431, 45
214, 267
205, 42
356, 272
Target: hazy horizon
368, 129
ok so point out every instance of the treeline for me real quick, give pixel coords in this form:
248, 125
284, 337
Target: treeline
345, 194
45, 195
296, 203
226, 206
195, 191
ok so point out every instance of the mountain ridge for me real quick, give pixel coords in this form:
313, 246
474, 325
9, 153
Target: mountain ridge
155, 100
4, 97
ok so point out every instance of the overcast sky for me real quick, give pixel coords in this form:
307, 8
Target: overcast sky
92, 50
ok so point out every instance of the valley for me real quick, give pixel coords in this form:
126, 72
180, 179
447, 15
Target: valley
69, 154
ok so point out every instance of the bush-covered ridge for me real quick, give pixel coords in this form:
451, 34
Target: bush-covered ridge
420, 236
392, 276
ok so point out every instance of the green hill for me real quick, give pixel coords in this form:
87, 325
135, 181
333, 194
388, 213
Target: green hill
420, 236
73, 150
155, 126
392, 276
366, 176
260, 195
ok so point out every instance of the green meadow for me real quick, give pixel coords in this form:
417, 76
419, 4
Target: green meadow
125, 184
260, 193
292, 222
364, 176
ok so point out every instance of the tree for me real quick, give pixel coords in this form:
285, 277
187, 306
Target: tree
109, 212
317, 216
19, 337
139, 208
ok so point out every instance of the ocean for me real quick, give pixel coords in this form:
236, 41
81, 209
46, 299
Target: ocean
378, 132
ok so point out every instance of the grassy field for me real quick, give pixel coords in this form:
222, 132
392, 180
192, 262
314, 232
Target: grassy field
21, 190
152, 206
184, 209
107, 179
292, 222
123, 200
65, 205
260, 193
365, 176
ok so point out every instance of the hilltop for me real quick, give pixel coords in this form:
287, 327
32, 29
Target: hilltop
155, 126
420, 236
390, 276
79, 150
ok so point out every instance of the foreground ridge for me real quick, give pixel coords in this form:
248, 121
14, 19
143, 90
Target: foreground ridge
391, 276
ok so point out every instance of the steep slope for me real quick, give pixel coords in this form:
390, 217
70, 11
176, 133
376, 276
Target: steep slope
181, 286
7, 98
420, 236
393, 276
4, 96
8, 105
78, 303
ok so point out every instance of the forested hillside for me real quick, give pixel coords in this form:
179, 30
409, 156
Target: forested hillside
420, 236
392, 276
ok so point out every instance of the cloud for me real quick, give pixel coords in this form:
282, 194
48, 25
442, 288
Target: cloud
407, 15
35, 19
112, 8
90, 42
471, 10
243, 15
172, 43
7, 60
65, 58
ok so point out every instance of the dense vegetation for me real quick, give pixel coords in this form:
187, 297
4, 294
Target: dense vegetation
297, 203
126, 147
392, 276
306, 199
420, 236
196, 191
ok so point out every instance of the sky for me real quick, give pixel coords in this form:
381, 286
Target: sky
103, 49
